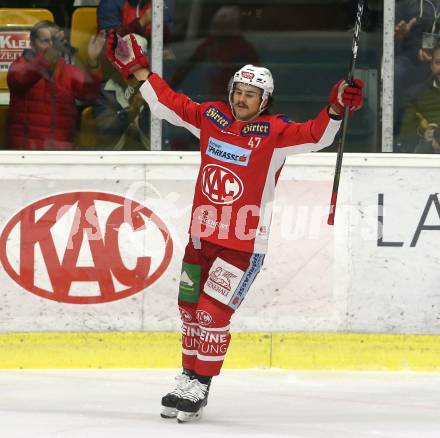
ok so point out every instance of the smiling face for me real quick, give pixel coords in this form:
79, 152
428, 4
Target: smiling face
246, 101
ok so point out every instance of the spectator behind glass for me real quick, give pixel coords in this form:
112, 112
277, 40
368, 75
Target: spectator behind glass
130, 128
422, 114
131, 16
121, 119
126, 16
412, 55
43, 89
224, 49
120, 113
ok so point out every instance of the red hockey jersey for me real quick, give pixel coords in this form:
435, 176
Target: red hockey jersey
240, 163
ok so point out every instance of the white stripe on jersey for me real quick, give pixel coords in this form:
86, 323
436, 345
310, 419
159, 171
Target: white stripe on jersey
163, 112
326, 140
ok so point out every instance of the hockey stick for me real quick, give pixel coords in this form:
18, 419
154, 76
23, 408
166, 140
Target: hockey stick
354, 50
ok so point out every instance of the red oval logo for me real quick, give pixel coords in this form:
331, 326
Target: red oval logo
85, 247
203, 317
220, 185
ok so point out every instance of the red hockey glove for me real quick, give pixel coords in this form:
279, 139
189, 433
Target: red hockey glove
343, 95
125, 54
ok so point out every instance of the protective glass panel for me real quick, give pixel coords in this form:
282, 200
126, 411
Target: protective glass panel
306, 45
417, 77
57, 89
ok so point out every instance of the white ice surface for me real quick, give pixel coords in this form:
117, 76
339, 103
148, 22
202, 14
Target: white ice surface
251, 403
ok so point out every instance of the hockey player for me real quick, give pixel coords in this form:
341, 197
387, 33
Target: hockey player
243, 149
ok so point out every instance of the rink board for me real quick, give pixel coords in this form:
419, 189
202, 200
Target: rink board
362, 294
302, 351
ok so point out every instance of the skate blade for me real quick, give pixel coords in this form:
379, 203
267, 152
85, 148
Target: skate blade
187, 417
169, 413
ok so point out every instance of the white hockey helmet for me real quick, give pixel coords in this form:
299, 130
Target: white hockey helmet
260, 77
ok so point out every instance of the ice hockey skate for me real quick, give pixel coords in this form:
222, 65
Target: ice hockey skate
169, 401
191, 404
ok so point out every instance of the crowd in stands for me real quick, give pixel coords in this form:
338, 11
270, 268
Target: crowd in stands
417, 76
49, 89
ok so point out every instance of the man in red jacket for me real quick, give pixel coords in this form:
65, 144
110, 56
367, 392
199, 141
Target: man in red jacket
43, 89
243, 149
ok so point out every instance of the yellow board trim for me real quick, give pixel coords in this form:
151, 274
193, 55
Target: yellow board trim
306, 351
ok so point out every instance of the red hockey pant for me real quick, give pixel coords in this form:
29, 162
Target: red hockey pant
206, 320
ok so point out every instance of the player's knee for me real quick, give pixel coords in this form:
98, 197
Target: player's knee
211, 313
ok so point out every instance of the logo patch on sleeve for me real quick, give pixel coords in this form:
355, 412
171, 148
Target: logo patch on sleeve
227, 153
256, 128
217, 117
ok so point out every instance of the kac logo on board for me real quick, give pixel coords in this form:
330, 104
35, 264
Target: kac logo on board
85, 247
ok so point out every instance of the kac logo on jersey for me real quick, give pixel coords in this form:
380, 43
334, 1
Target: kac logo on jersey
221, 185
228, 153
217, 117
256, 128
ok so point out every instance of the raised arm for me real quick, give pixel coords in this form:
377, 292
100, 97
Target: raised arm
127, 57
87, 83
319, 133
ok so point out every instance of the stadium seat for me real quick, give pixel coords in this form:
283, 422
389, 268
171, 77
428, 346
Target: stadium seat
23, 16
84, 25
16, 19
